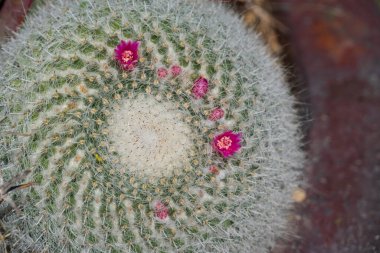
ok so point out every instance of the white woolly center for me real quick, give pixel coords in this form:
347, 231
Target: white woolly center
150, 136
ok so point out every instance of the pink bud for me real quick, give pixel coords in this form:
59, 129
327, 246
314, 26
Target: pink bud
161, 211
214, 170
176, 70
162, 72
216, 114
200, 88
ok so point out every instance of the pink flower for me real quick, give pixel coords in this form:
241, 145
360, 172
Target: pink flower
175, 70
160, 210
126, 53
227, 143
200, 88
162, 72
216, 114
214, 170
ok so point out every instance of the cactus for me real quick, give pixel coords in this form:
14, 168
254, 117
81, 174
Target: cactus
149, 126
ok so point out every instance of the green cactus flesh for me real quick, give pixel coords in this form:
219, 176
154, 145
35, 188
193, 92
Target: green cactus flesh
106, 145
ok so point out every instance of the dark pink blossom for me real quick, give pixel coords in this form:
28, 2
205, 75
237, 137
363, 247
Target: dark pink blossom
162, 72
127, 55
216, 114
200, 88
175, 70
160, 210
227, 143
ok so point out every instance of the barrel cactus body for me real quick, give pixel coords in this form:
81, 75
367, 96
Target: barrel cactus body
149, 126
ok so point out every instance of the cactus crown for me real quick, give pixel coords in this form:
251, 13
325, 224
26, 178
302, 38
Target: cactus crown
150, 126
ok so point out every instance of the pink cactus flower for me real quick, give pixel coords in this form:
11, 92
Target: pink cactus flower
126, 53
200, 88
227, 143
216, 114
214, 170
175, 70
161, 211
162, 72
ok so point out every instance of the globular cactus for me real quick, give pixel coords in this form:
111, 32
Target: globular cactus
149, 126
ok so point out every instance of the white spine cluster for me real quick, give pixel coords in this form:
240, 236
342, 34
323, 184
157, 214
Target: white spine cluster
150, 137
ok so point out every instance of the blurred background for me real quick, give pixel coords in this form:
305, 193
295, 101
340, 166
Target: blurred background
330, 50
